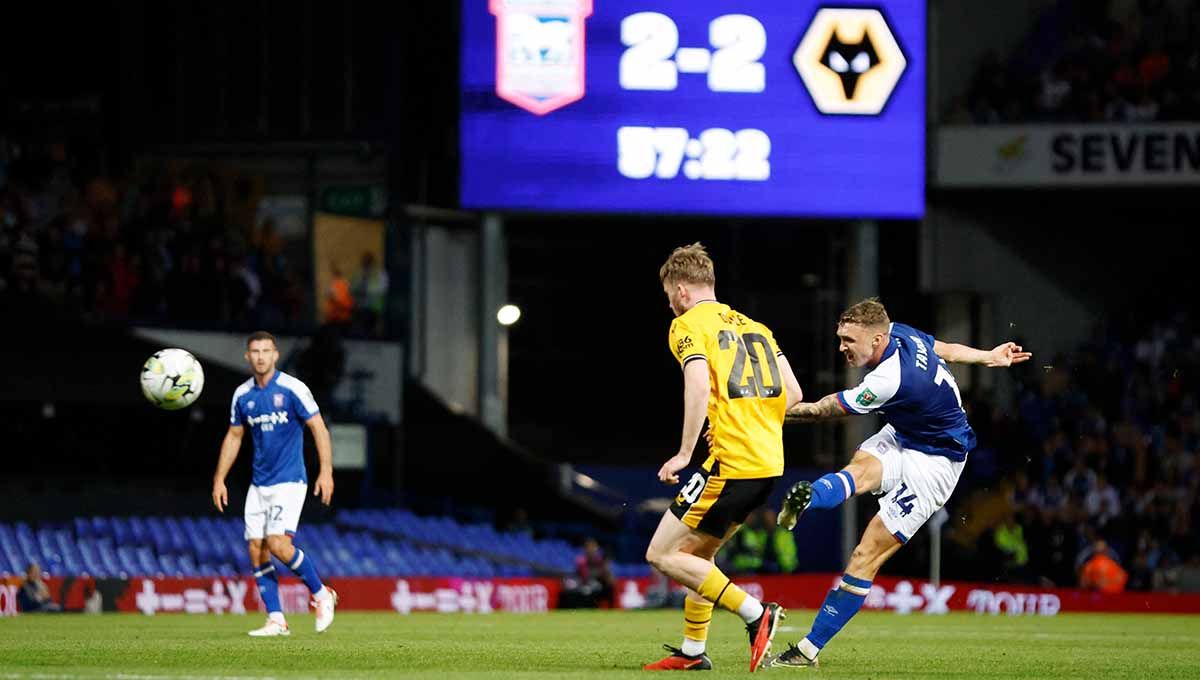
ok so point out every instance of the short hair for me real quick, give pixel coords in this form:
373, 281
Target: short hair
688, 264
869, 313
260, 335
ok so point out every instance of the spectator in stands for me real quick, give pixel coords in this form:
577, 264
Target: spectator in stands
593, 584
34, 595
339, 303
245, 292
761, 546
370, 295
1100, 569
1102, 503
595, 571
1126, 60
1009, 539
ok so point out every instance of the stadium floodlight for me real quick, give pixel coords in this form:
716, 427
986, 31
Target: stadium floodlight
508, 315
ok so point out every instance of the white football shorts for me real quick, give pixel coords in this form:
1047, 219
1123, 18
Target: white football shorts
915, 485
274, 510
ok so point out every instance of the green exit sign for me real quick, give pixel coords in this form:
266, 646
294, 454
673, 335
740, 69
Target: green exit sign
368, 200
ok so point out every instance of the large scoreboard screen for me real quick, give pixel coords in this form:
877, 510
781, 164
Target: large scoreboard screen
718, 107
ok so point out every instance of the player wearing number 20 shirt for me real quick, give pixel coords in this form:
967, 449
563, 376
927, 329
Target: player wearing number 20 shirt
735, 375
746, 406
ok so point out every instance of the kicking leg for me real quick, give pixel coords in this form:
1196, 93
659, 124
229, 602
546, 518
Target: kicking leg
863, 475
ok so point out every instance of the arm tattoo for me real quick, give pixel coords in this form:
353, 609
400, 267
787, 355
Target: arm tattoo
806, 412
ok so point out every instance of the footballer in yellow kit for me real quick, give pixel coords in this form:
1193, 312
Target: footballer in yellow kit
735, 375
746, 405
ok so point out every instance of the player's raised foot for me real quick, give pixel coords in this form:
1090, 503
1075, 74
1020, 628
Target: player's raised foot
325, 607
271, 629
795, 503
678, 661
792, 657
762, 631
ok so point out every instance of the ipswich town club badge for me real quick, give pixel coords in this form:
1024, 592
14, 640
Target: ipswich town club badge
540, 52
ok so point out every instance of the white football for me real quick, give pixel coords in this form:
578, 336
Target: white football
172, 379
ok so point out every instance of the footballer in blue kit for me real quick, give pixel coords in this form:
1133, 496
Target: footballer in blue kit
912, 465
275, 407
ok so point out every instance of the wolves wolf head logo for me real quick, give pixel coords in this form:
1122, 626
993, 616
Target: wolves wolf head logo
850, 61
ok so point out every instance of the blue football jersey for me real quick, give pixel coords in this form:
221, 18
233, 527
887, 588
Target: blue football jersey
916, 394
275, 415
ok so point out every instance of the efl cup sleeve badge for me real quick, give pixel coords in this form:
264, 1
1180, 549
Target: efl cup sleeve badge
540, 52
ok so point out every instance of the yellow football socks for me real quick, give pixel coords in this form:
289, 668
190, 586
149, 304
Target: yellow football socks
696, 617
718, 589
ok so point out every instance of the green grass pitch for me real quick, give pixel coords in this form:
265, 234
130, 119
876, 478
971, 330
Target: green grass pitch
595, 644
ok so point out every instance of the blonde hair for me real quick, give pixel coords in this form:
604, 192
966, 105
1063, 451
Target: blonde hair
688, 264
869, 313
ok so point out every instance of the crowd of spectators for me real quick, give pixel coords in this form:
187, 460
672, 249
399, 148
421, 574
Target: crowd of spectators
1103, 444
179, 244
1093, 61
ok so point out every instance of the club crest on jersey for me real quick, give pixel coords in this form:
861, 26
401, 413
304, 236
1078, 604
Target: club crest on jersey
250, 406
278, 399
540, 52
866, 398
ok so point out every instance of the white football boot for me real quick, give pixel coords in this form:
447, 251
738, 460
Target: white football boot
271, 629
325, 609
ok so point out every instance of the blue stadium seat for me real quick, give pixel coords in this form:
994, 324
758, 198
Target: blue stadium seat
187, 566
83, 528
146, 561
138, 531
101, 528
121, 531
169, 565
127, 561
178, 540
27, 544
48, 547
108, 556
91, 561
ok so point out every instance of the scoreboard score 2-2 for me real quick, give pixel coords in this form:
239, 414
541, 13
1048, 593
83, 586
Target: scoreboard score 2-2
714, 107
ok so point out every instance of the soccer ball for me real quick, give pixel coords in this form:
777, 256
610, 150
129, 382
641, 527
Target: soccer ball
172, 379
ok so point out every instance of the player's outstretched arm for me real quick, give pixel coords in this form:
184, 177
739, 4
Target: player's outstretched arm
229, 451
827, 408
1001, 356
695, 407
324, 485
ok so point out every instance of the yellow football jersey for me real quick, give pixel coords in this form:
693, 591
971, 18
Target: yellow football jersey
748, 399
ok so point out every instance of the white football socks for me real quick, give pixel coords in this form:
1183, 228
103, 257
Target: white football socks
692, 647
750, 610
